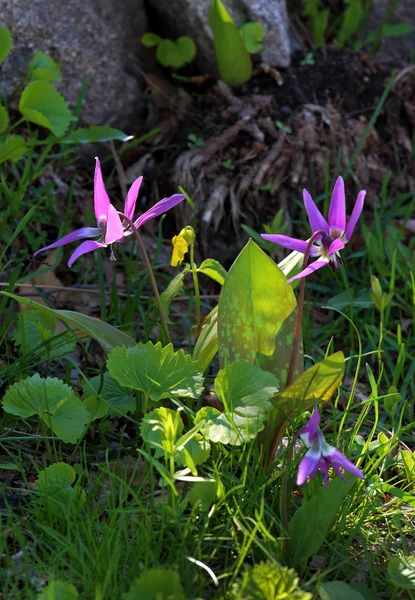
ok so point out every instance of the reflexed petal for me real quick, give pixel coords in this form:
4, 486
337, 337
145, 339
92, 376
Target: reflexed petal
129, 206
338, 459
159, 208
79, 234
337, 210
317, 264
286, 242
308, 468
316, 219
101, 199
336, 246
85, 247
357, 209
114, 231
310, 430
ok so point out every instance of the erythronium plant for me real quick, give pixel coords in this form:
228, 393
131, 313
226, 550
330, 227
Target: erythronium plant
330, 237
320, 455
111, 227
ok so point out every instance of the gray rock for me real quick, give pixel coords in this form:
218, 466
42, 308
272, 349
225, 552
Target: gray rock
190, 17
89, 37
400, 48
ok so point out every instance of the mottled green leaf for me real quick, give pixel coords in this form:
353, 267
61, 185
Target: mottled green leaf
156, 371
156, 584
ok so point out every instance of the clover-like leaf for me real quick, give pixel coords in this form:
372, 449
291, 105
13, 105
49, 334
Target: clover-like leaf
245, 391
117, 397
176, 54
156, 371
57, 490
150, 40
42, 66
40, 103
156, 584
252, 34
52, 400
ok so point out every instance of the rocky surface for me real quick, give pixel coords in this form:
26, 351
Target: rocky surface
193, 21
89, 37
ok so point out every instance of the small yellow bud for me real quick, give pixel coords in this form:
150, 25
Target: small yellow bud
181, 245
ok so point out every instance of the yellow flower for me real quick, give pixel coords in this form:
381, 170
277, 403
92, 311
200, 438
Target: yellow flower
181, 245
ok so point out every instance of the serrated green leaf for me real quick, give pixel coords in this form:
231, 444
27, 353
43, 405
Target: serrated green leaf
56, 489
252, 35
156, 371
35, 332
58, 590
42, 66
52, 400
40, 103
95, 133
401, 571
313, 521
106, 335
4, 118
213, 269
156, 584
150, 40
117, 397
6, 42
269, 581
338, 590
254, 304
12, 147
245, 391
234, 62
160, 428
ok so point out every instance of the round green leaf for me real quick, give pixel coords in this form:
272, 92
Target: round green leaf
252, 34
6, 42
40, 103
44, 67
4, 118
187, 48
150, 40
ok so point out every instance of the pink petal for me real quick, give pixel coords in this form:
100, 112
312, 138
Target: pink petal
129, 206
79, 234
308, 468
338, 459
357, 209
337, 210
114, 231
285, 241
85, 247
159, 208
316, 219
101, 199
317, 264
310, 430
336, 246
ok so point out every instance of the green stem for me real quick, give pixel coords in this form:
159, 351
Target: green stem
196, 288
151, 275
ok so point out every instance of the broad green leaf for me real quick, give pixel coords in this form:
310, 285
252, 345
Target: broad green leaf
338, 590
117, 397
253, 305
106, 335
213, 269
4, 118
40, 103
176, 54
42, 66
96, 406
317, 384
234, 62
95, 133
396, 30
57, 492
6, 43
156, 371
313, 521
12, 147
52, 400
203, 494
58, 590
269, 581
35, 332
207, 343
195, 452
156, 584
245, 391
160, 428
401, 571
252, 34
408, 459
150, 40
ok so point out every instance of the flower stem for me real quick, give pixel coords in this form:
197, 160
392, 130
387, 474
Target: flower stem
151, 275
196, 288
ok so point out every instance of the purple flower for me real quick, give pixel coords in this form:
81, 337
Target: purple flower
110, 228
321, 455
335, 233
